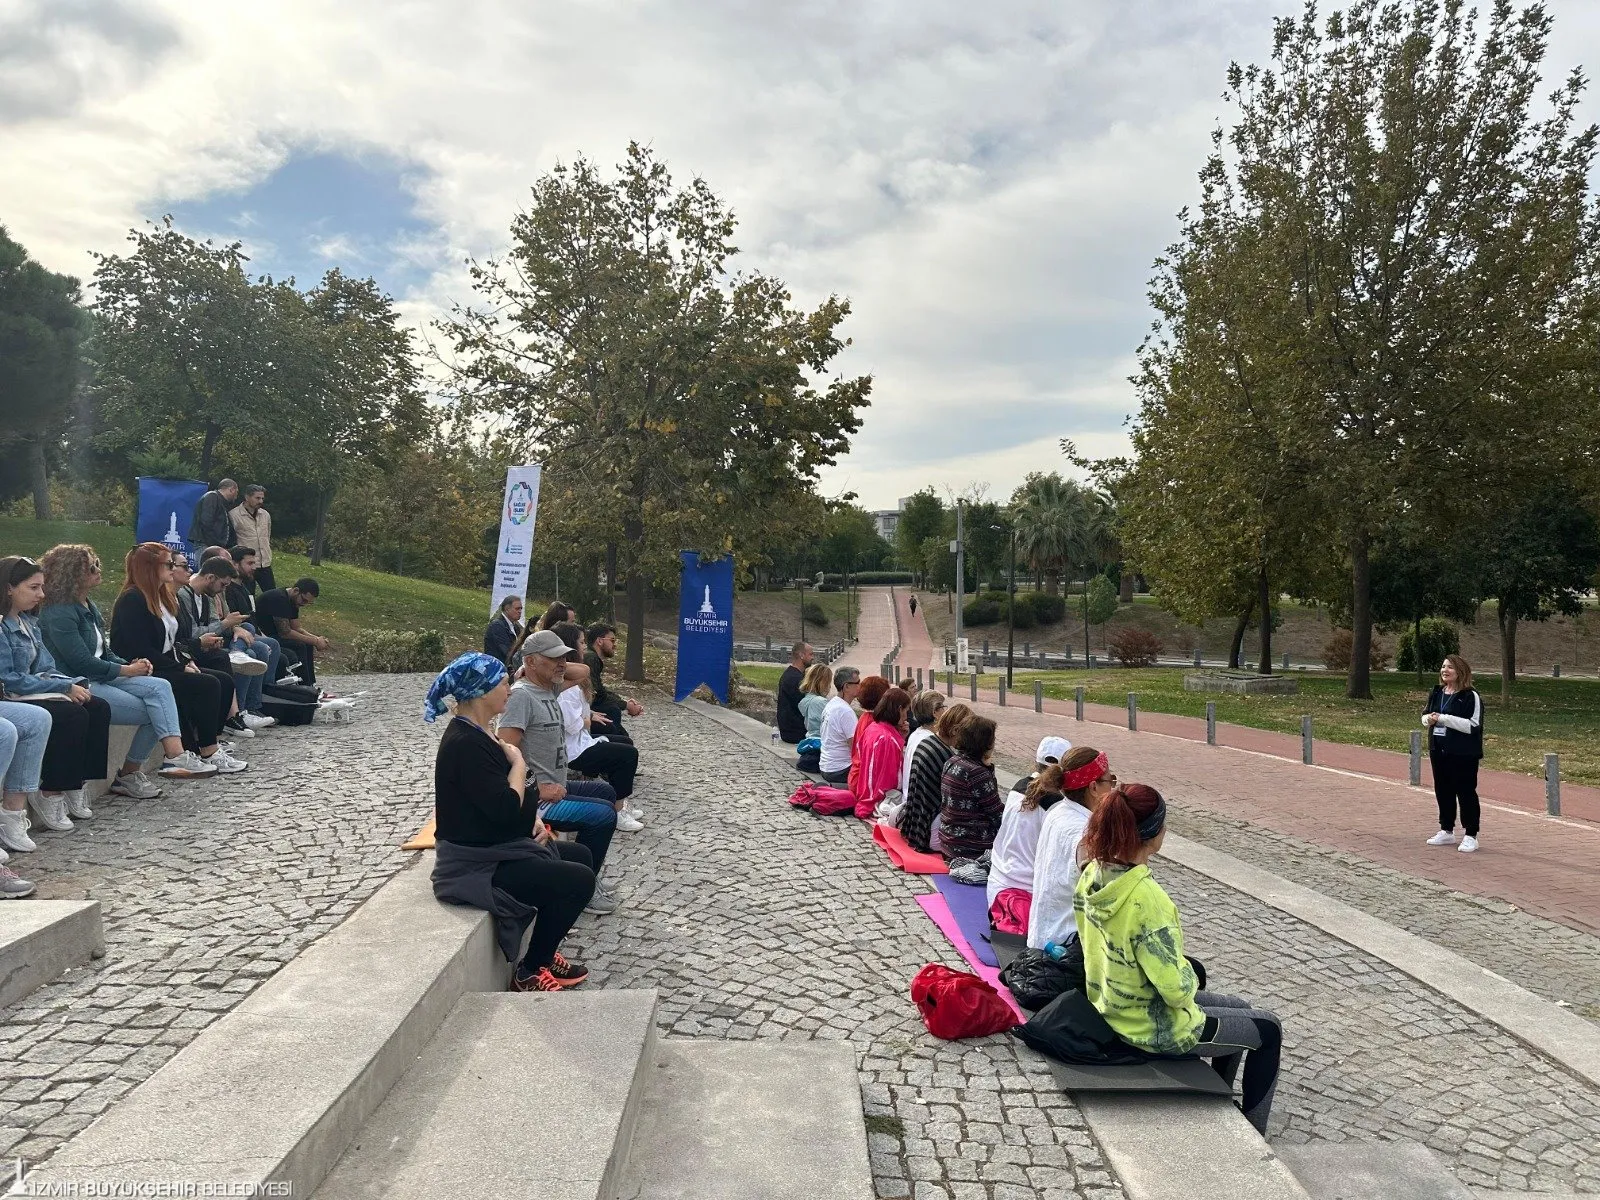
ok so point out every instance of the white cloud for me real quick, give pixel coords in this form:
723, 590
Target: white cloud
989, 184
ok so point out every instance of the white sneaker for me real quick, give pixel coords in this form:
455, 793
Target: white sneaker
51, 811
628, 823
633, 810
14, 831
225, 763
1469, 844
136, 785
187, 765
1444, 838
257, 721
12, 887
78, 806
246, 664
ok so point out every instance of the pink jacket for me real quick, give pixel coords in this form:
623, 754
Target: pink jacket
882, 747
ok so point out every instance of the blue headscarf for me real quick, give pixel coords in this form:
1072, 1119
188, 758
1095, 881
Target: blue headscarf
470, 676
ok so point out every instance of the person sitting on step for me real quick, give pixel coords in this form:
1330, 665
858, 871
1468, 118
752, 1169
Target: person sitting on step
924, 796
1135, 972
838, 729
881, 749
601, 640
492, 851
1010, 881
1086, 779
24, 733
791, 724
589, 752
969, 797
872, 689
925, 709
815, 685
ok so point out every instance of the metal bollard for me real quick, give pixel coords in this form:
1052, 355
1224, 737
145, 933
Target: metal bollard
1557, 672
1002, 691
950, 683
1416, 758
1197, 656
1078, 696
1038, 696
1133, 710
1552, 784
1305, 739
1211, 722
919, 679
973, 684
1285, 660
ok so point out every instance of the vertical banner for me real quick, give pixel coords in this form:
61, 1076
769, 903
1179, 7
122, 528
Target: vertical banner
705, 625
515, 550
165, 513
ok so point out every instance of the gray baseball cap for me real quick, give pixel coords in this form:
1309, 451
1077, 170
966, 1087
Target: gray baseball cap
546, 643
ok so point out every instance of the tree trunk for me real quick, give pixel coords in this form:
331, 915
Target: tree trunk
1508, 649
213, 432
1052, 584
1125, 588
40, 481
611, 582
1416, 647
1236, 646
1264, 603
1359, 685
324, 502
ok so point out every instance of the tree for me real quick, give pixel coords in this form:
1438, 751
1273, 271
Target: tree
1425, 233
42, 324
923, 517
850, 540
1099, 606
681, 400
1537, 560
1415, 577
1047, 511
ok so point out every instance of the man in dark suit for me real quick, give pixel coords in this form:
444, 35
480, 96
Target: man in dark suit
504, 630
211, 525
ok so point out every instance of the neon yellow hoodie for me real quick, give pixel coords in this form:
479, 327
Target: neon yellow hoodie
1135, 973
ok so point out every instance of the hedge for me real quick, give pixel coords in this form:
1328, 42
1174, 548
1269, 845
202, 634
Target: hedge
397, 651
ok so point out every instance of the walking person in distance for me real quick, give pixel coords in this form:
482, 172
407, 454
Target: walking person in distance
1454, 719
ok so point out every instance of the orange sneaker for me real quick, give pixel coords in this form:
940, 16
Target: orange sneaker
540, 981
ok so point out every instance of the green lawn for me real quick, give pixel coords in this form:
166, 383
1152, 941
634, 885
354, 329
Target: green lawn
761, 677
1560, 715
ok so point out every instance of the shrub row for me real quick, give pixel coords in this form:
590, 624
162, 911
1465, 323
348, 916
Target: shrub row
1033, 608
397, 651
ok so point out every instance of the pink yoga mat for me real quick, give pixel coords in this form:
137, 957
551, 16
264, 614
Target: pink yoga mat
939, 910
901, 854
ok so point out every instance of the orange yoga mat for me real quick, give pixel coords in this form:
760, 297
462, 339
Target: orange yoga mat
900, 853
422, 839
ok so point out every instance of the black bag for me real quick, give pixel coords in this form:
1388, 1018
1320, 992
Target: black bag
1035, 978
289, 703
1071, 1029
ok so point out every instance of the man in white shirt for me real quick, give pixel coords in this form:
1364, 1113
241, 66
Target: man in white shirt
839, 726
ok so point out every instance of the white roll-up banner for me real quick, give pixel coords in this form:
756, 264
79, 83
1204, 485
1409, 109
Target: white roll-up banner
515, 551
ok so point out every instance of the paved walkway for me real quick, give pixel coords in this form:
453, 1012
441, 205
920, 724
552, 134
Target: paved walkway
875, 632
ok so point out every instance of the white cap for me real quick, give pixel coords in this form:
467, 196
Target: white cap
1052, 749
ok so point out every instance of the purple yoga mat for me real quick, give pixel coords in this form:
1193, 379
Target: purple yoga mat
969, 905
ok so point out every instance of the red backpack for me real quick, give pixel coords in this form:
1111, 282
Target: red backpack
955, 1004
822, 800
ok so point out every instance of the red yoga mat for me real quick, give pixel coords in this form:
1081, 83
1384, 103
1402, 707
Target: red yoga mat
900, 853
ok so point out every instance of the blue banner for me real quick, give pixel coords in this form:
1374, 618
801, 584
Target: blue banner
166, 510
705, 625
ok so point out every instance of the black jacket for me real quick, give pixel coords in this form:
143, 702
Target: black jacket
136, 632
1465, 708
211, 525
791, 725
499, 637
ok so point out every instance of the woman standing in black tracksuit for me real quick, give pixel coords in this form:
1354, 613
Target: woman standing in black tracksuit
1454, 718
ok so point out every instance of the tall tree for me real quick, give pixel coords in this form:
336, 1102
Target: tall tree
923, 517
42, 324
686, 402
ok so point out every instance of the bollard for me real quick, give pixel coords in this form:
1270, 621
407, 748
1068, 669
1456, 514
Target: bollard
1557, 672
973, 684
769, 643
1211, 722
1038, 696
986, 647
1078, 695
1552, 784
1305, 739
1025, 646
1197, 656
1002, 691
1416, 758
950, 683
1285, 660
1133, 710
919, 679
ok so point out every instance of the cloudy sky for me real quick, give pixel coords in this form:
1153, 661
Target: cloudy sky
988, 183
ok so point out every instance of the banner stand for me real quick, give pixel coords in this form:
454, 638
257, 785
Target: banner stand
705, 625
514, 552
165, 513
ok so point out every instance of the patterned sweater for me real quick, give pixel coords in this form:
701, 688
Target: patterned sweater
971, 807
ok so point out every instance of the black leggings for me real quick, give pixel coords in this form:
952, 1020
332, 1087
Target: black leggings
301, 657
558, 889
615, 732
203, 699
616, 764
1455, 781
80, 742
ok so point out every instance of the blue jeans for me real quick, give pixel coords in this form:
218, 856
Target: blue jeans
145, 701
24, 730
587, 811
248, 687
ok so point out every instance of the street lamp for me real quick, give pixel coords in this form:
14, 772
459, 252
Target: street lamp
1011, 602
802, 584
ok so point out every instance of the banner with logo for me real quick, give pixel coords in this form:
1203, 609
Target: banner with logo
705, 625
165, 513
515, 550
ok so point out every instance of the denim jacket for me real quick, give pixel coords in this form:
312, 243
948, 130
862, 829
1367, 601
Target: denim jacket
26, 667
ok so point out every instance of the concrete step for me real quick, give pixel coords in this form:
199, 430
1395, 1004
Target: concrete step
274, 1091
517, 1095
39, 939
1372, 1171
737, 1120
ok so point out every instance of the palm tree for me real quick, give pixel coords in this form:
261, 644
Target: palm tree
1049, 525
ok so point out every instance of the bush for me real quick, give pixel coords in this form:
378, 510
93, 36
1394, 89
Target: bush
880, 577
397, 651
983, 609
1046, 609
827, 587
1336, 653
1134, 647
1439, 637
814, 615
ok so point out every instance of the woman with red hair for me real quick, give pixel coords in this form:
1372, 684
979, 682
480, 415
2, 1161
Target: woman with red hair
880, 748
873, 688
144, 624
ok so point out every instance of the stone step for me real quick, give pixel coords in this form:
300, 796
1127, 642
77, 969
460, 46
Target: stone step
39, 939
1372, 1171
738, 1120
517, 1095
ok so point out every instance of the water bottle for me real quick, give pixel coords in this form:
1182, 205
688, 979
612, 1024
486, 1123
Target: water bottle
1055, 950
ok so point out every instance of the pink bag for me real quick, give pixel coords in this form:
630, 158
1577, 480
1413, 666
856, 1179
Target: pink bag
822, 800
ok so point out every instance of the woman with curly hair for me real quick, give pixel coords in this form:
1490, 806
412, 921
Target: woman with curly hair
76, 634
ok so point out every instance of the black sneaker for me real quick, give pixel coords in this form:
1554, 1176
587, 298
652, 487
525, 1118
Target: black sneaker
567, 972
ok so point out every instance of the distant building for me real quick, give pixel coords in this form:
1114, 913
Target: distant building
888, 520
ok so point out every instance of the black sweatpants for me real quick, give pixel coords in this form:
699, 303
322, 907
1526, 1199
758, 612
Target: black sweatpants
203, 698
559, 890
614, 732
264, 579
1455, 784
80, 742
614, 762
299, 657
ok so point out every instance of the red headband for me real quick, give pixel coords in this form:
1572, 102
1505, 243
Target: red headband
1082, 777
